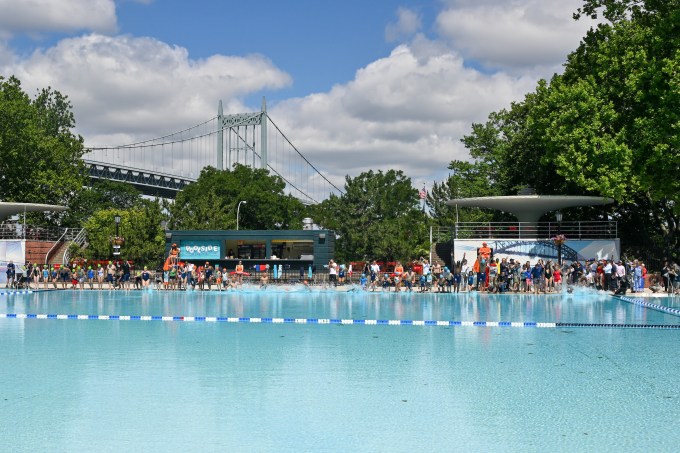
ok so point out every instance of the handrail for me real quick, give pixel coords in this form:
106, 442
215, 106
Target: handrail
47, 256
606, 229
80, 240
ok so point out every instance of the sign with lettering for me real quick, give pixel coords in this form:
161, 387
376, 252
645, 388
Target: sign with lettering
200, 250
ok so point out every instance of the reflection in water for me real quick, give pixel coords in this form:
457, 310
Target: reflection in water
253, 387
581, 306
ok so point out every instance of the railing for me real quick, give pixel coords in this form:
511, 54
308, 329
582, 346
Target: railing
536, 230
17, 231
78, 239
56, 244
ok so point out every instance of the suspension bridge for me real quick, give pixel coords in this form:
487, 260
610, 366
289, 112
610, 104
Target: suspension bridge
164, 165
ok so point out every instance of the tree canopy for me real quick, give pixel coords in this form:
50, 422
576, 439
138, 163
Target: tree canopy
140, 226
40, 156
211, 202
609, 125
376, 217
102, 195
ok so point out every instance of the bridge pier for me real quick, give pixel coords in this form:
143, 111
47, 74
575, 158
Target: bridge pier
263, 135
220, 137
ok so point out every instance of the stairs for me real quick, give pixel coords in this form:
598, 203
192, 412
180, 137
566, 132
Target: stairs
57, 255
441, 252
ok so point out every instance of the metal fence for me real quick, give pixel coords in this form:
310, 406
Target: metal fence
19, 231
536, 230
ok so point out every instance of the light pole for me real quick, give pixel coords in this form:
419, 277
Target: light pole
116, 241
238, 210
558, 216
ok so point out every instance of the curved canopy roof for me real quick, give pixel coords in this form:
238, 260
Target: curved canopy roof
9, 209
529, 208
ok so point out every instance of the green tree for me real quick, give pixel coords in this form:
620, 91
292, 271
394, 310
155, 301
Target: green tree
140, 226
467, 179
607, 126
101, 195
211, 202
40, 157
612, 120
376, 217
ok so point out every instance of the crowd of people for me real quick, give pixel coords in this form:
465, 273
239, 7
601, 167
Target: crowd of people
120, 275
484, 274
499, 275
100, 276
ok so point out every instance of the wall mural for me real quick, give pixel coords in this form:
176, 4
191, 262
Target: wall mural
533, 250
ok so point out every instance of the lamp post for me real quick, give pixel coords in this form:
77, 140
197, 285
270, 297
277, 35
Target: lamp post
558, 216
116, 244
238, 210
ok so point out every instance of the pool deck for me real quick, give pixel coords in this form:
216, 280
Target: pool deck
647, 293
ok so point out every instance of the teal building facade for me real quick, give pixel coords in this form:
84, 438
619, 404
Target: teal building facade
295, 252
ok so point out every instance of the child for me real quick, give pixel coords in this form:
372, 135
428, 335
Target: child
527, 279
363, 281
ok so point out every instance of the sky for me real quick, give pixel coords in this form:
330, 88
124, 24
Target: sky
355, 85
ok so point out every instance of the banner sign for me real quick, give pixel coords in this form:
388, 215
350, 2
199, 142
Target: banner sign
533, 250
11, 250
200, 250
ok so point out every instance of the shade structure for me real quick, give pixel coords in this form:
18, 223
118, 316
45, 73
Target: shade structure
529, 208
8, 209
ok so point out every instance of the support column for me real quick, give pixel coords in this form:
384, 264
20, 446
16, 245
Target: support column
220, 137
263, 135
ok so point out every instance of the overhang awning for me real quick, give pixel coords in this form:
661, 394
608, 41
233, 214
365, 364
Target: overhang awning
529, 208
8, 209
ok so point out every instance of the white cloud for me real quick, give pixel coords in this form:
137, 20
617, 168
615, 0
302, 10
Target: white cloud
126, 88
407, 111
513, 34
39, 16
408, 23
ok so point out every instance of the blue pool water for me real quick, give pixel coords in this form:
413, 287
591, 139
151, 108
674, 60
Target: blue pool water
111, 385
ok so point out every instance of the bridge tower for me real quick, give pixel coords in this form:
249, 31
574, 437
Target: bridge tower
241, 140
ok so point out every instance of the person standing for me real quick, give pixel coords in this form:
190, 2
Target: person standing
35, 275
557, 278
126, 274
110, 272
45, 275
28, 274
374, 273
54, 276
90, 277
620, 278
11, 274
100, 276
332, 273
398, 273
174, 254
638, 282
146, 277
537, 276
437, 271
607, 269
426, 265
239, 272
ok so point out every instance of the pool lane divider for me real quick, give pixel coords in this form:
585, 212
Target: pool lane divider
379, 322
642, 302
11, 293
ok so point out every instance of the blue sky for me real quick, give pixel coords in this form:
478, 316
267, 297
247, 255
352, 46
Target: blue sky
356, 85
318, 43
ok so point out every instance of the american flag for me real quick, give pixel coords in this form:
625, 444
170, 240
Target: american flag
423, 193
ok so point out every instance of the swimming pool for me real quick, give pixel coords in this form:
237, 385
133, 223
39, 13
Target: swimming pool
194, 385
